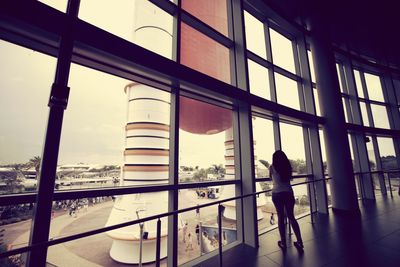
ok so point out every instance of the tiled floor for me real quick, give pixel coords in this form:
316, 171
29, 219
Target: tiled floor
334, 240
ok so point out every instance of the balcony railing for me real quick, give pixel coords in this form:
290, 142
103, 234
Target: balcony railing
219, 203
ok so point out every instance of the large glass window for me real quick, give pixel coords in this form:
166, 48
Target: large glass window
94, 135
212, 12
282, 51
311, 64
359, 87
364, 113
259, 81
204, 54
380, 116
198, 232
23, 115
263, 138
371, 153
60, 5
140, 22
254, 29
293, 145
73, 216
206, 143
287, 91
374, 87
387, 153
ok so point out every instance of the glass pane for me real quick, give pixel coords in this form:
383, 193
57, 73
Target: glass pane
311, 63
380, 116
15, 228
259, 80
293, 145
387, 153
371, 154
364, 114
323, 150
376, 184
287, 91
329, 192
374, 87
266, 214
357, 77
206, 144
115, 132
339, 76
302, 201
23, 115
203, 54
282, 51
60, 5
255, 37
212, 12
199, 233
316, 102
263, 138
113, 247
140, 22
351, 148
345, 110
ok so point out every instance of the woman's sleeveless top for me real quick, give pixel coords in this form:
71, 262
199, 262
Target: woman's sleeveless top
277, 184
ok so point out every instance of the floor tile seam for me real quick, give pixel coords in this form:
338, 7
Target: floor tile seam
386, 235
273, 260
387, 248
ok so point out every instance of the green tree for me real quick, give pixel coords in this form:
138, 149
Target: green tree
265, 163
34, 163
298, 166
200, 174
218, 170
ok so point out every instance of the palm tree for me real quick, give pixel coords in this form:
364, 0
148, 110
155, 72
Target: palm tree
35, 163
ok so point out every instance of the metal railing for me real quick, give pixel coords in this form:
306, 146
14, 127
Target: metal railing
385, 174
157, 217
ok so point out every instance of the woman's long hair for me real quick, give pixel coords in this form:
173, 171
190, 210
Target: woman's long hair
282, 165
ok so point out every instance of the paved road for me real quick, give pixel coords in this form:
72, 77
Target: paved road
94, 250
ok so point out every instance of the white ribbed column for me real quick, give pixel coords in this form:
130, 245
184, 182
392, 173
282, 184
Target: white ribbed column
229, 191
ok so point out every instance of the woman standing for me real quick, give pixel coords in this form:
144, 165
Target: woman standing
283, 198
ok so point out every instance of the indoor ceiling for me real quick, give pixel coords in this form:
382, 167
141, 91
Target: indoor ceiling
367, 27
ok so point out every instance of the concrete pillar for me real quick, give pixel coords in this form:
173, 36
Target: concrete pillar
344, 195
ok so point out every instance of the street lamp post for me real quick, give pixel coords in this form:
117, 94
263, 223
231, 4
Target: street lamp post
141, 225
